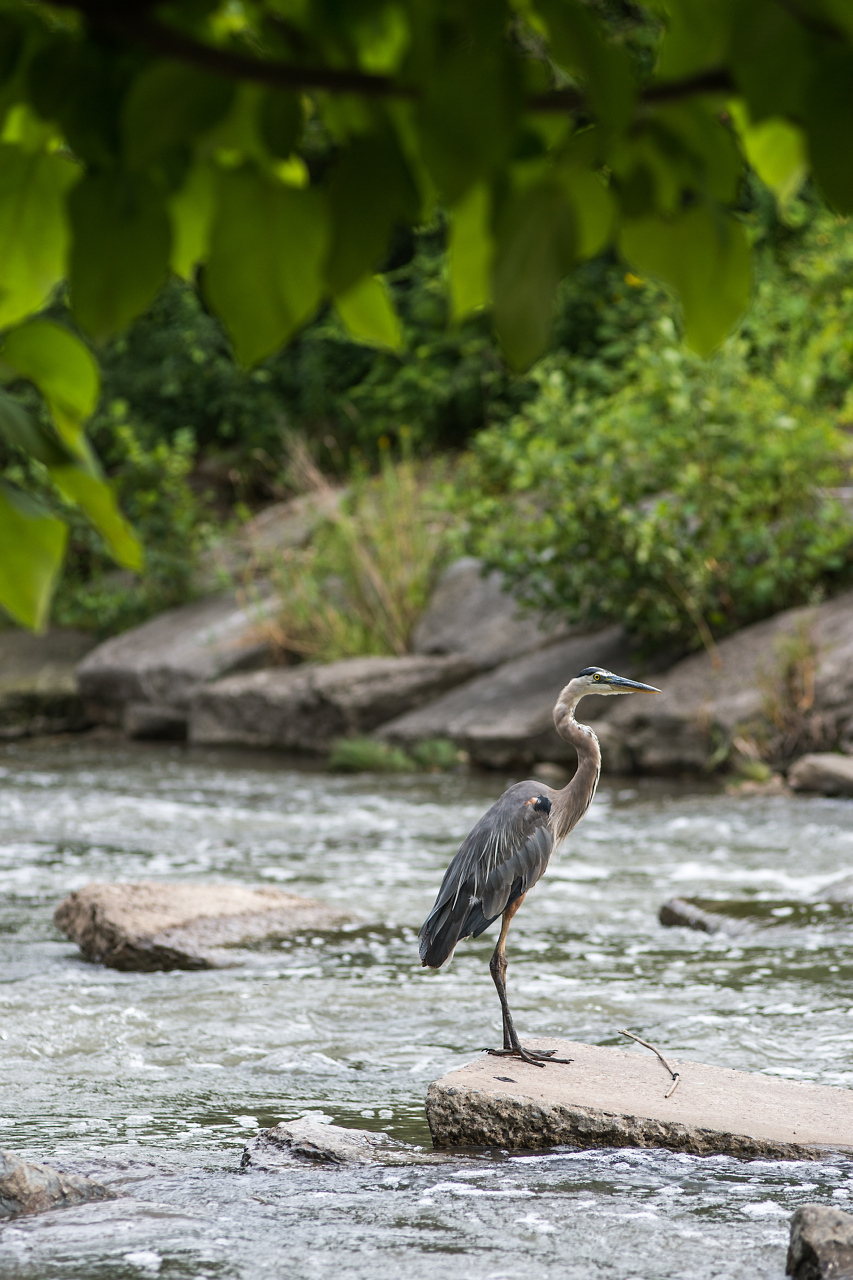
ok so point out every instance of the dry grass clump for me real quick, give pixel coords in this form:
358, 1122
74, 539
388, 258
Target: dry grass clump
363, 582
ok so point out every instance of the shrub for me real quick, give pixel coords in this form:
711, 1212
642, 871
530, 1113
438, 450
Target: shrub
682, 497
366, 755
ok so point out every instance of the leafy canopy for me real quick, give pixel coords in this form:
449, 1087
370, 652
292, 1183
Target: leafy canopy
269, 149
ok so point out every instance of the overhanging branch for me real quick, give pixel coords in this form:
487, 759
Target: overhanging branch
133, 22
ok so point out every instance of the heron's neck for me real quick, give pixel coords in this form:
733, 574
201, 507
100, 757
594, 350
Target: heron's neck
573, 801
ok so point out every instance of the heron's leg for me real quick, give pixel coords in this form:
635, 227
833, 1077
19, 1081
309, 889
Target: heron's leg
497, 968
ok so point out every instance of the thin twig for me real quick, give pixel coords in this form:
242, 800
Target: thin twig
676, 1076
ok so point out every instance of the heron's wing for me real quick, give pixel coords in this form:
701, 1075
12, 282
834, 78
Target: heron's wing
503, 856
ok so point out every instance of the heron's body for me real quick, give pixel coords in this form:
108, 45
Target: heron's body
510, 847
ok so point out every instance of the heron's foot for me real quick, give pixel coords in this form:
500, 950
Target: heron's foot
529, 1055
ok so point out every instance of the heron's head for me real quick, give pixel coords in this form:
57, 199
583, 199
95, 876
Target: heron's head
598, 680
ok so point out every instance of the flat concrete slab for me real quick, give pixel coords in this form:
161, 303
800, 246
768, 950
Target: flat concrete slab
613, 1098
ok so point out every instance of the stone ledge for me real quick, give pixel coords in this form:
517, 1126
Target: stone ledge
612, 1098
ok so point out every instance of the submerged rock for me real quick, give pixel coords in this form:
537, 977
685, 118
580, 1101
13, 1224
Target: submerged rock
823, 771
678, 912
506, 717
472, 614
33, 1188
821, 1245
147, 925
38, 682
306, 1141
609, 1098
306, 708
165, 660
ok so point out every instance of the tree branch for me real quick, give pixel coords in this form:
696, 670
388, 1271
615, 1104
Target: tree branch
133, 22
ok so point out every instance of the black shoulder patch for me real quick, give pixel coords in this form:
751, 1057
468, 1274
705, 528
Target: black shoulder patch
542, 804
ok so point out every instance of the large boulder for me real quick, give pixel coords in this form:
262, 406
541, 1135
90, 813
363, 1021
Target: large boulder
162, 662
703, 707
823, 771
281, 527
504, 718
821, 1246
38, 682
306, 708
146, 925
474, 615
33, 1188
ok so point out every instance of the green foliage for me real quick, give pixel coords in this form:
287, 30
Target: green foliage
367, 755
152, 484
363, 755
364, 581
684, 498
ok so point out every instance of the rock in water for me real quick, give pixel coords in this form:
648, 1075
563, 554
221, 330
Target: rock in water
306, 1141
148, 925
612, 1098
821, 1245
33, 1188
678, 912
823, 771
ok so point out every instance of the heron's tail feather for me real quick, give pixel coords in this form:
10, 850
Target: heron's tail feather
442, 929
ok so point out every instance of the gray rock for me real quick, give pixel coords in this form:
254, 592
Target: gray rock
163, 661
284, 526
305, 708
692, 723
146, 926
823, 771
34, 1188
821, 1246
612, 1098
504, 718
152, 720
471, 614
38, 682
676, 912
306, 1141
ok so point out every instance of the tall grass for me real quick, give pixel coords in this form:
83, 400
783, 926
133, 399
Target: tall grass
365, 579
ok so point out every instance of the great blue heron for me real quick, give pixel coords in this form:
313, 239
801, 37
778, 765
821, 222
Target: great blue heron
510, 847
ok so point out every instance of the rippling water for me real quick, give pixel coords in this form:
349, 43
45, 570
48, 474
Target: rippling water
154, 1081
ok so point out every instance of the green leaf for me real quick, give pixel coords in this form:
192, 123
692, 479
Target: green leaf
708, 147
268, 245
192, 210
829, 109
470, 251
579, 45
593, 208
61, 366
280, 121
368, 313
473, 100
697, 36
33, 230
771, 58
704, 255
371, 190
170, 103
775, 149
120, 250
21, 430
33, 543
94, 495
535, 249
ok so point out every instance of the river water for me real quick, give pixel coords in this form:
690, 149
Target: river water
153, 1082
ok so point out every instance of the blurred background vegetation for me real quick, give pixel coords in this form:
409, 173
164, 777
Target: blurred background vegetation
621, 478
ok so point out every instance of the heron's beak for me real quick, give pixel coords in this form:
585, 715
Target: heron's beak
619, 684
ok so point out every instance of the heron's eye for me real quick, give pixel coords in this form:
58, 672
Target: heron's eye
596, 676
